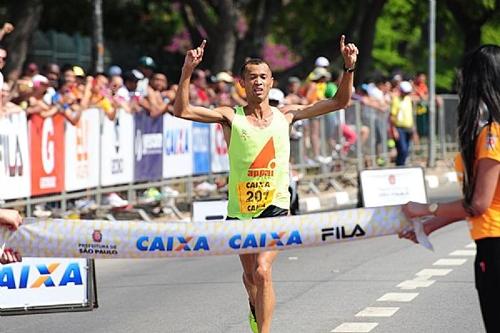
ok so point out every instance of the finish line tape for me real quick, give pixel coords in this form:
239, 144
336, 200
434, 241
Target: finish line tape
133, 239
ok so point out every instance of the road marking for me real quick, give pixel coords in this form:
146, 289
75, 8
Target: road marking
354, 327
471, 246
293, 258
428, 272
377, 311
398, 297
463, 253
449, 262
414, 284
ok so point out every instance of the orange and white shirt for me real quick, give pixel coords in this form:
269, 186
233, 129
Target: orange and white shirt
487, 146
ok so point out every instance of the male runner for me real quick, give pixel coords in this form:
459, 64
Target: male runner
259, 147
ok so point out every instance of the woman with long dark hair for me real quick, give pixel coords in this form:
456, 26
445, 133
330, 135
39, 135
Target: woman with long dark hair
478, 166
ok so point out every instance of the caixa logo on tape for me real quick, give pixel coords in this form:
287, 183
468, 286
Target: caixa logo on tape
268, 239
172, 243
45, 273
342, 232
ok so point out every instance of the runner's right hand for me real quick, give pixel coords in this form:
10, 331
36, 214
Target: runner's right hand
194, 56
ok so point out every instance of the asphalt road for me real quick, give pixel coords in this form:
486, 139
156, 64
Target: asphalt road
319, 289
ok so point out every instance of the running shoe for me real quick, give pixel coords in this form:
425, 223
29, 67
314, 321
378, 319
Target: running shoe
253, 323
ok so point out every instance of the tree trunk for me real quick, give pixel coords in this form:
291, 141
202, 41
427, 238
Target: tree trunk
221, 32
97, 37
251, 45
25, 16
366, 40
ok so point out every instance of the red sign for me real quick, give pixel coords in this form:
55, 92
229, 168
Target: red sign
47, 154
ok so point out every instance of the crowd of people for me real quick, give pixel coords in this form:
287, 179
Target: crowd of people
49, 89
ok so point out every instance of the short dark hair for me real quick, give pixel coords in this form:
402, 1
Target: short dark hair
251, 61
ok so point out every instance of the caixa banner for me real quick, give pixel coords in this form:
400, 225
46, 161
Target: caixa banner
132, 239
43, 284
14, 157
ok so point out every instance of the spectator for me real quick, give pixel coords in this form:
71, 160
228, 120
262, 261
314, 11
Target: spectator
119, 94
8, 106
114, 71
68, 75
199, 94
69, 102
97, 94
146, 66
402, 121
157, 102
53, 73
130, 80
80, 77
293, 96
421, 96
30, 70
36, 103
223, 90
315, 91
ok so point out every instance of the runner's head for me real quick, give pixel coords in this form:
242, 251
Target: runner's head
257, 79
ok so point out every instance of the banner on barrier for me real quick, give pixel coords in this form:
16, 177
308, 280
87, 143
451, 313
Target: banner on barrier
14, 157
218, 149
201, 148
148, 147
131, 239
41, 284
47, 154
177, 147
82, 151
117, 155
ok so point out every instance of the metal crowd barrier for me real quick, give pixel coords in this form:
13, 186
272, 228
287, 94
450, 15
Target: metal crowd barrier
336, 163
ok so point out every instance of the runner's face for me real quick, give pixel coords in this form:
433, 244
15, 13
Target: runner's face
258, 81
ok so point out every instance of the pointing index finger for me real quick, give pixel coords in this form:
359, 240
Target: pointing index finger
342, 40
202, 45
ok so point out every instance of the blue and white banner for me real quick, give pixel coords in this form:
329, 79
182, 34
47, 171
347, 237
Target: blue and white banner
201, 148
177, 147
148, 144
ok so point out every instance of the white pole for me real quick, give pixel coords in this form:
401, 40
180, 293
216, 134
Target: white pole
432, 84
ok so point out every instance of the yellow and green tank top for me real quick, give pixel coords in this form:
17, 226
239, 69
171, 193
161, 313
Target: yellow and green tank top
258, 165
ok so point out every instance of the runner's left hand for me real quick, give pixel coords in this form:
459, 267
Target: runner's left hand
349, 52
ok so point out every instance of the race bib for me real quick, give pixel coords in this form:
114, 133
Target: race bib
255, 196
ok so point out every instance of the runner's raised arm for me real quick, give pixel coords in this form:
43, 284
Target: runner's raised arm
182, 108
341, 100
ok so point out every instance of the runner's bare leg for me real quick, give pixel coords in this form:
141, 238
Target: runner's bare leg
259, 268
